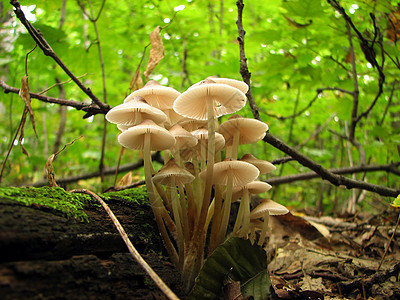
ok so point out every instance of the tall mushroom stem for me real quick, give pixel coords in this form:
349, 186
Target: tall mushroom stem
155, 200
246, 214
264, 230
232, 150
226, 210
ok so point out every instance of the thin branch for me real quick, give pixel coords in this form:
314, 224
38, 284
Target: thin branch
48, 51
244, 70
320, 90
335, 179
90, 109
392, 168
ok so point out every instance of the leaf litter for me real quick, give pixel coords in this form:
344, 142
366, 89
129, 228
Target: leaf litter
334, 258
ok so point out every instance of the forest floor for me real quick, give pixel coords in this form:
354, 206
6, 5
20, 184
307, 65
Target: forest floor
47, 256
335, 258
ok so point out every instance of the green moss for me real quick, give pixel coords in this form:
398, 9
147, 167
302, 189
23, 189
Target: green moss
55, 198
68, 204
136, 195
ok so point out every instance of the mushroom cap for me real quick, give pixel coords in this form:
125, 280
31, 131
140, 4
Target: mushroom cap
241, 171
133, 137
268, 207
134, 112
263, 166
192, 124
156, 95
172, 117
184, 139
172, 173
254, 187
240, 85
250, 130
202, 134
193, 102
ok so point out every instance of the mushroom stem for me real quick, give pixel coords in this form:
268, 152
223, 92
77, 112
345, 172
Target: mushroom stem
226, 210
235, 144
178, 224
264, 230
155, 200
210, 167
217, 211
184, 214
239, 218
246, 214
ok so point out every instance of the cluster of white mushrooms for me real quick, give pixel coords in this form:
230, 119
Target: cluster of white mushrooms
202, 175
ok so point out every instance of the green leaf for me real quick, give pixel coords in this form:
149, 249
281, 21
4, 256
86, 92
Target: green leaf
238, 260
396, 202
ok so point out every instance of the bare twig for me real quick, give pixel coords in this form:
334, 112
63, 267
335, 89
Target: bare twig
392, 168
90, 109
388, 244
136, 255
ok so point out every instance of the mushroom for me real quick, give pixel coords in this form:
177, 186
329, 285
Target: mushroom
264, 210
148, 136
238, 130
240, 85
156, 95
229, 173
184, 140
134, 112
174, 176
263, 166
244, 192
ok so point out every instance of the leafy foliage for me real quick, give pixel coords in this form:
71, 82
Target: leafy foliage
236, 260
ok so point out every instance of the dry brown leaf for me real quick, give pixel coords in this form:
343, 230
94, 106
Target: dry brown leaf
49, 164
125, 180
24, 94
156, 51
50, 171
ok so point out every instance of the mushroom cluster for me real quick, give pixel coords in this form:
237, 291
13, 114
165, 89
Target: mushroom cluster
192, 194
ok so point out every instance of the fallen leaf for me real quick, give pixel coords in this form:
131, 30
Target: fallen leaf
50, 171
156, 51
24, 94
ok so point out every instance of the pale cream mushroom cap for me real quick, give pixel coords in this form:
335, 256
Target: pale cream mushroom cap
268, 207
134, 112
172, 173
255, 187
240, 85
156, 95
133, 137
202, 134
184, 139
193, 102
263, 165
242, 172
250, 130
192, 124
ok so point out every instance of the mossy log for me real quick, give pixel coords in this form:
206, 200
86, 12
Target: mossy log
50, 252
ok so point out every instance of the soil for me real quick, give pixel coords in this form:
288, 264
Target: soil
48, 256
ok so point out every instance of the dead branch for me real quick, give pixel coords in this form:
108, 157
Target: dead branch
90, 109
392, 168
